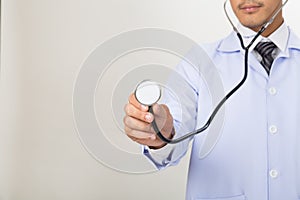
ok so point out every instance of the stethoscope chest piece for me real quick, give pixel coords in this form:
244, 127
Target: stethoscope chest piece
147, 92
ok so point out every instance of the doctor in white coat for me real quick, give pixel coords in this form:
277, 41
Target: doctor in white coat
257, 156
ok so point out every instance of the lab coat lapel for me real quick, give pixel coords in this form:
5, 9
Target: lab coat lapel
231, 44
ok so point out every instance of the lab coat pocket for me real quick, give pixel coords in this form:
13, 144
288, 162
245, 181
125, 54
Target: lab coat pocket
239, 197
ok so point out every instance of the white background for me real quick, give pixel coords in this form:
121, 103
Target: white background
44, 43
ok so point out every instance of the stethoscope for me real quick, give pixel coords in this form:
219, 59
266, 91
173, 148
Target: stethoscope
148, 92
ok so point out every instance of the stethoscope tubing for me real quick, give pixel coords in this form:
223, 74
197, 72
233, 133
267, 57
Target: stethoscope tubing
230, 93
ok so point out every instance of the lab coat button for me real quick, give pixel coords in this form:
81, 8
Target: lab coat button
273, 129
273, 173
272, 91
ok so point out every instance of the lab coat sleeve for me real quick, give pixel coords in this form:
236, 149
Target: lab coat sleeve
166, 156
181, 96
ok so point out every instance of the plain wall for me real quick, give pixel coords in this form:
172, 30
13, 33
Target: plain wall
44, 43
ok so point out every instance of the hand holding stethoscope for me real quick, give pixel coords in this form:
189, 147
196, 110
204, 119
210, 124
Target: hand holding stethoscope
138, 119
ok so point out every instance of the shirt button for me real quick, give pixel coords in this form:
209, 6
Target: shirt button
273, 173
273, 129
272, 91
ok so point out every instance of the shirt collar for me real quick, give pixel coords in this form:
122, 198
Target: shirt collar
279, 37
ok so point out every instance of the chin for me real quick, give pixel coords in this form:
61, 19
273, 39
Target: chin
253, 26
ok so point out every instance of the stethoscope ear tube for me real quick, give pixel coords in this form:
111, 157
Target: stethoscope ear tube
264, 26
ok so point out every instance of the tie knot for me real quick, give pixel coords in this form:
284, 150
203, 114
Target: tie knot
265, 48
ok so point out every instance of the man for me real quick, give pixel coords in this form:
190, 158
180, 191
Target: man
258, 155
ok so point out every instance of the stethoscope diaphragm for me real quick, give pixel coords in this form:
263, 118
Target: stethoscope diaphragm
147, 92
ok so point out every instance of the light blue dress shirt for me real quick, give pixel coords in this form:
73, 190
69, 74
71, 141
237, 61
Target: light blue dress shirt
257, 154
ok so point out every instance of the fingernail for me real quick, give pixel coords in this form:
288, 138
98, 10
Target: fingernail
148, 117
144, 107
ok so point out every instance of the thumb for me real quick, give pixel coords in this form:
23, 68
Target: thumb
162, 116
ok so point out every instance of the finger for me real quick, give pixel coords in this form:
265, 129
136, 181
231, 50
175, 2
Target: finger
139, 135
148, 142
134, 112
132, 100
154, 144
145, 142
136, 124
160, 109
160, 114
154, 141
163, 117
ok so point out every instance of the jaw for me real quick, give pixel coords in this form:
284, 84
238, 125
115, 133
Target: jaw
256, 22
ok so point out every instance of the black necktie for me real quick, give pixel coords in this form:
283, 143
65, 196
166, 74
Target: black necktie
265, 49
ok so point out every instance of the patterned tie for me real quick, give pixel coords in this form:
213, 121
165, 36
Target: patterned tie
265, 49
